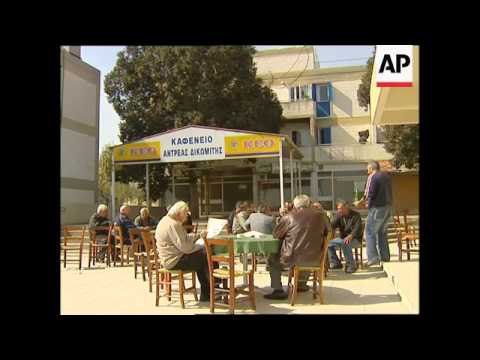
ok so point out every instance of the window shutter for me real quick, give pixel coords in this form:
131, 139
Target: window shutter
330, 91
327, 136
314, 92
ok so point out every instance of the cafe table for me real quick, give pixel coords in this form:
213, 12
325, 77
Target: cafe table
243, 245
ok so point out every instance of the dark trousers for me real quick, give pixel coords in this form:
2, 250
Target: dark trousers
197, 262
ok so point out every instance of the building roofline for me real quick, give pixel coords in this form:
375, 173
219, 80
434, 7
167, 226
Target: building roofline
313, 72
293, 49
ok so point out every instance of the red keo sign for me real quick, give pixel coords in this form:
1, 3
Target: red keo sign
394, 65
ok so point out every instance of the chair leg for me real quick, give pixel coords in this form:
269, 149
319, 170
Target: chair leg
89, 255
169, 286
115, 256
135, 266
194, 286
231, 297
212, 294
399, 243
64, 258
408, 249
80, 260
150, 275
122, 255
157, 287
314, 285
295, 285
181, 289
162, 275
320, 290
251, 291
142, 259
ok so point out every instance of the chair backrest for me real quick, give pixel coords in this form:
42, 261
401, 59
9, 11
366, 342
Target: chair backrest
93, 232
72, 233
118, 234
150, 245
221, 258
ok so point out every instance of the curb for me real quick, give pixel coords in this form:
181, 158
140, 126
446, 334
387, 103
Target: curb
403, 297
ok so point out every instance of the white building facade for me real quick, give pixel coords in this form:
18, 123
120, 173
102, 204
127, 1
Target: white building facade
323, 119
80, 96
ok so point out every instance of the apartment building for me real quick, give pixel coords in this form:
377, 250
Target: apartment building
324, 120
80, 96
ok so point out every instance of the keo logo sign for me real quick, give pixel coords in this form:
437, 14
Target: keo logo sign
394, 65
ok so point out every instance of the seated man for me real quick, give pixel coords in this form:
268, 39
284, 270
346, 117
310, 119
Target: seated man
123, 220
177, 249
144, 219
242, 215
260, 221
318, 206
350, 224
100, 218
302, 233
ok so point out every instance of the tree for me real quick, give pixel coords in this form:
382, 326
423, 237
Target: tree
403, 142
363, 91
157, 88
123, 191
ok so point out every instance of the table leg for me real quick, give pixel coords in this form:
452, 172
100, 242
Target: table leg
245, 268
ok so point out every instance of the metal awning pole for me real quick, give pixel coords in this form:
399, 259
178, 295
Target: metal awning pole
113, 186
280, 153
292, 195
147, 184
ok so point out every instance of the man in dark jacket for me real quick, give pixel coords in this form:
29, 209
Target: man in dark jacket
349, 222
378, 196
100, 218
125, 222
301, 233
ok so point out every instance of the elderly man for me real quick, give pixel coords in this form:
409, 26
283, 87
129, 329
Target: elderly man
144, 219
378, 199
125, 222
240, 218
260, 221
100, 218
302, 233
177, 249
349, 222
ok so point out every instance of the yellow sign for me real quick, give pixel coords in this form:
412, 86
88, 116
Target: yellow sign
138, 151
251, 145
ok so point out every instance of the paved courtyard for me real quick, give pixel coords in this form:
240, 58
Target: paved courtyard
114, 291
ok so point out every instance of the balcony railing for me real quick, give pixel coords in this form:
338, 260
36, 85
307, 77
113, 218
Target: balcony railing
298, 108
351, 152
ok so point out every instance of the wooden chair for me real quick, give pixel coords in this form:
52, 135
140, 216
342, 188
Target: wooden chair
406, 234
139, 255
318, 275
148, 243
73, 238
119, 244
95, 246
227, 275
164, 277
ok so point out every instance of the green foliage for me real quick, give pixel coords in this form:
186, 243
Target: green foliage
124, 192
157, 88
363, 91
403, 142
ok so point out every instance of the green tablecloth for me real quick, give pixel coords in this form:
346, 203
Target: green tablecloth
266, 244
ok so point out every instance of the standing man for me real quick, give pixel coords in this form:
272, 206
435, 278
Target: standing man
349, 222
378, 198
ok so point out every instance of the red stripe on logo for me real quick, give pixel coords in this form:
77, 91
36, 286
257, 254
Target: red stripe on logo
394, 84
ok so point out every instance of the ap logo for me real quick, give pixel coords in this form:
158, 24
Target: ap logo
394, 65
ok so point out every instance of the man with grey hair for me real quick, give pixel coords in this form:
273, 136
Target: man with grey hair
177, 250
378, 198
260, 221
301, 233
125, 222
349, 223
100, 219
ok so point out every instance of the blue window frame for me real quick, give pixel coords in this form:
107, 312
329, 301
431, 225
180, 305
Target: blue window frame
323, 97
324, 136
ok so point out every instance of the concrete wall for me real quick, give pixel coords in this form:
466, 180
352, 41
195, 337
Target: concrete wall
285, 62
80, 84
345, 101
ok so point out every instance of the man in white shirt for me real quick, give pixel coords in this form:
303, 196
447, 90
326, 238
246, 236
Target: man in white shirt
177, 250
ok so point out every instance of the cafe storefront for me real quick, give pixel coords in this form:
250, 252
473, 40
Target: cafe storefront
210, 186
